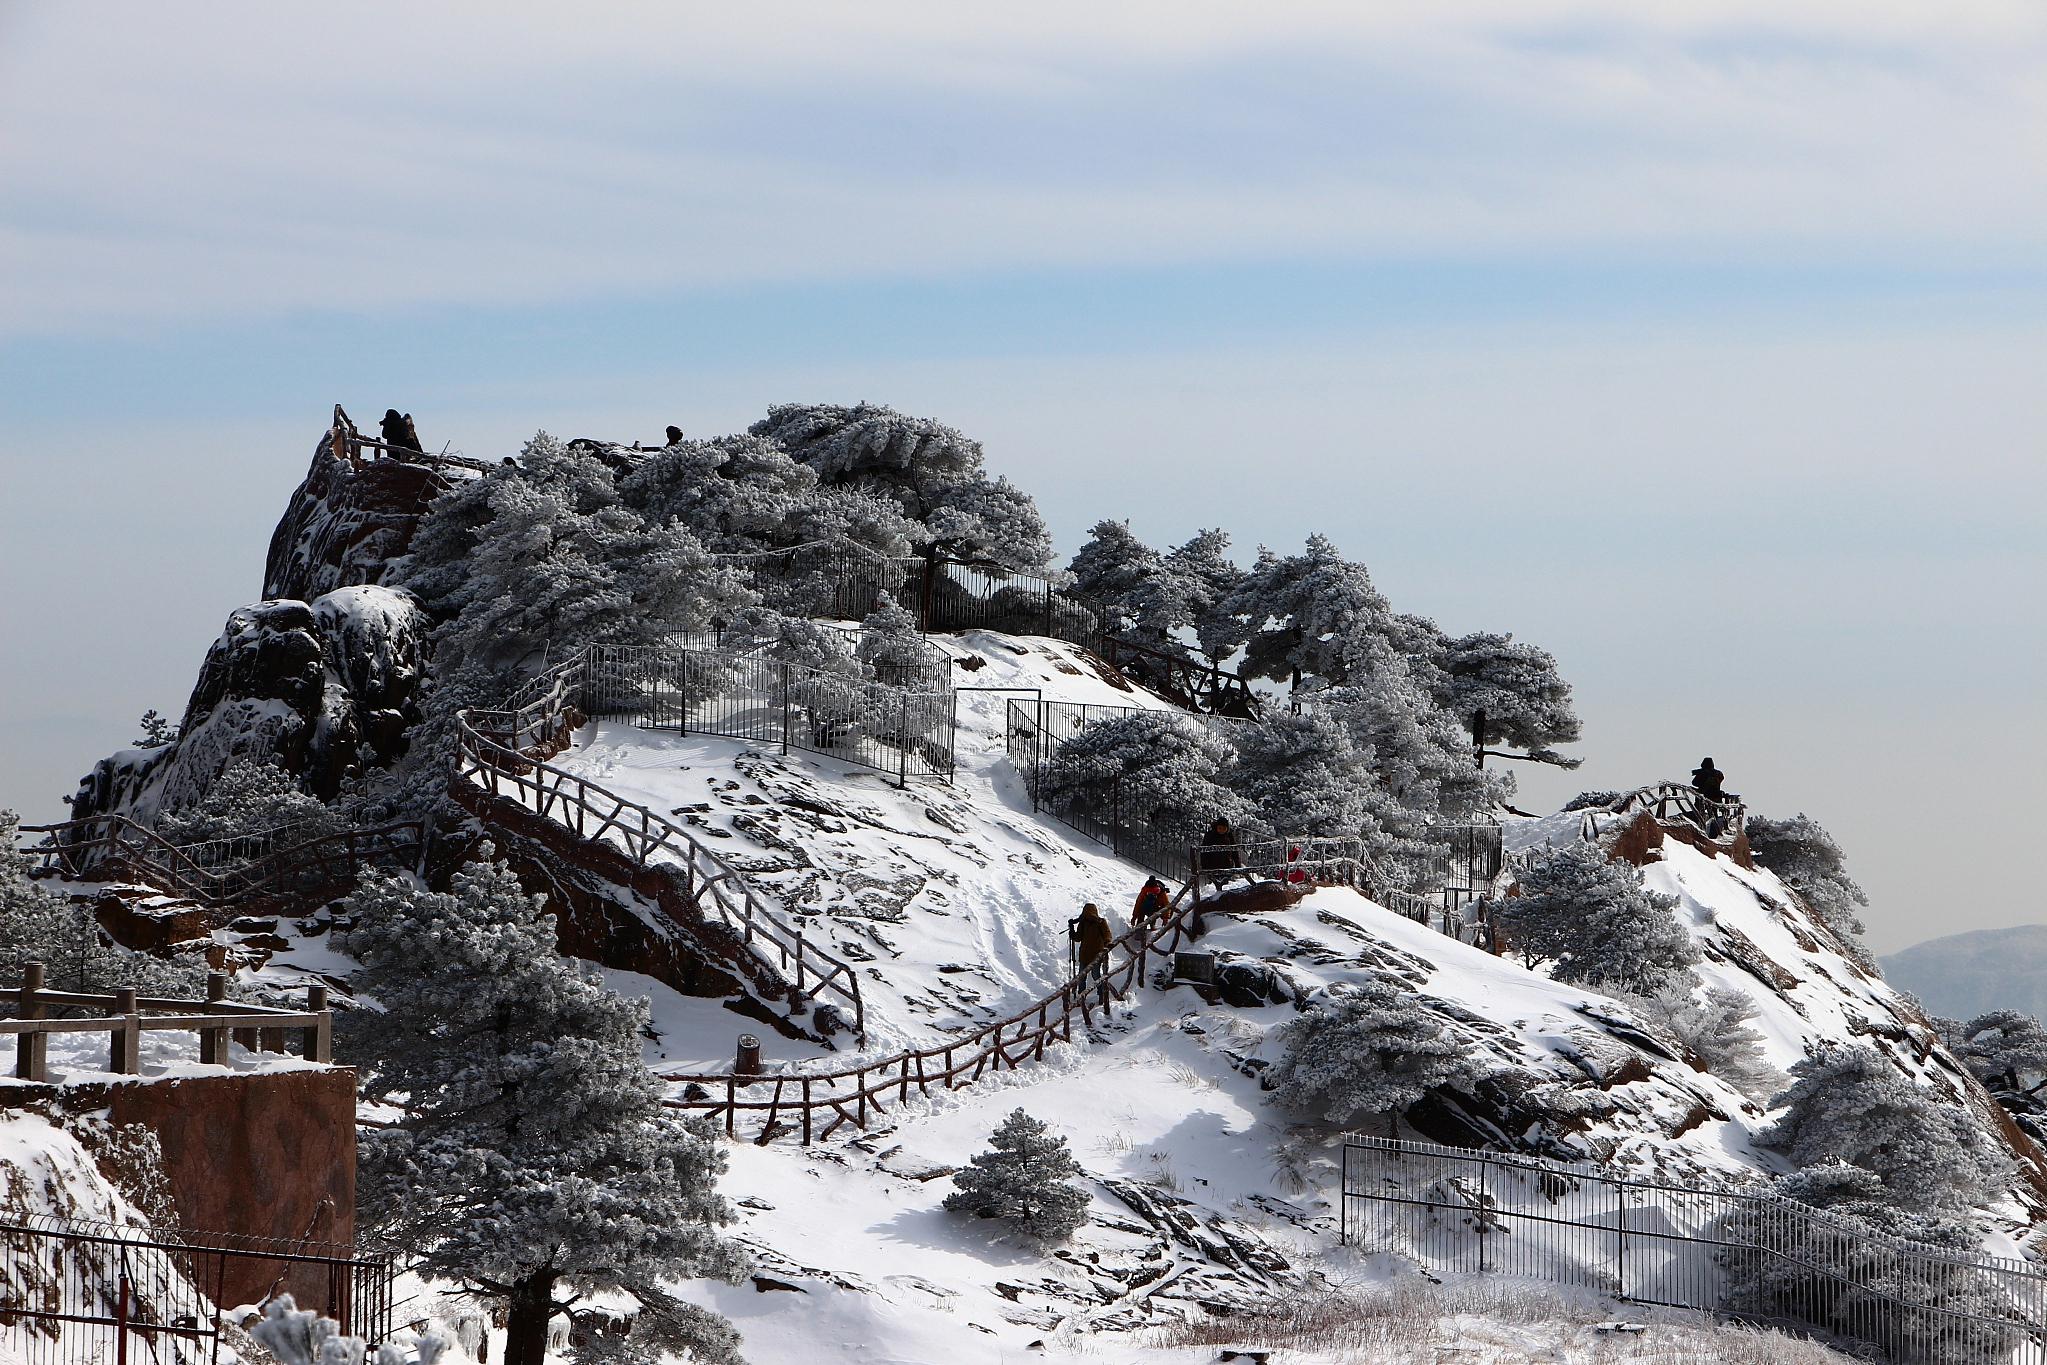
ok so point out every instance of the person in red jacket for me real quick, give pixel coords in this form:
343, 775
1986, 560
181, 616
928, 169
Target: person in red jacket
1152, 902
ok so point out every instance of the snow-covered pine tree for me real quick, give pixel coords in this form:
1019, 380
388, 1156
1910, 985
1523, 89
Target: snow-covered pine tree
1806, 859
1304, 776
1299, 616
1370, 1051
541, 557
65, 936
744, 494
1848, 1103
934, 472
252, 797
1715, 1027
532, 1153
1024, 1179
890, 643
1147, 768
1113, 568
1525, 702
1200, 574
157, 731
1595, 919
2007, 1051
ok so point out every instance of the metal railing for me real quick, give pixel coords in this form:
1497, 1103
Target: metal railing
84, 1293
124, 1016
1747, 1254
748, 696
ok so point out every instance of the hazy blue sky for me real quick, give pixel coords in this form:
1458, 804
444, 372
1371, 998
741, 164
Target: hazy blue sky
1703, 344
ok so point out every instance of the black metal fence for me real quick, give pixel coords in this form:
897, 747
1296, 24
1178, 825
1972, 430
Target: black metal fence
1109, 815
81, 1293
1746, 1254
752, 697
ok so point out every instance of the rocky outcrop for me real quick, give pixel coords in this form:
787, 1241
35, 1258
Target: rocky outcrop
344, 524
327, 690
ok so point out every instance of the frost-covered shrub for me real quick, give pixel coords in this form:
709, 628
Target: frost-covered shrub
1024, 1179
1373, 1050
1597, 922
65, 936
532, 1152
301, 1336
1848, 1103
1806, 859
252, 797
1841, 1272
1155, 768
1714, 1027
157, 730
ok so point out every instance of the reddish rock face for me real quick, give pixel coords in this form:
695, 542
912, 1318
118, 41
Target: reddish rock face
344, 525
252, 1156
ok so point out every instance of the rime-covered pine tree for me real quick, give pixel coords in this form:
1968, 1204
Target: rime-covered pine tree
1806, 859
1715, 1027
2007, 1051
1158, 768
1305, 776
1597, 922
65, 936
1516, 688
1299, 616
934, 472
1024, 1179
252, 797
1114, 568
1373, 1050
890, 642
540, 557
1848, 1103
532, 1155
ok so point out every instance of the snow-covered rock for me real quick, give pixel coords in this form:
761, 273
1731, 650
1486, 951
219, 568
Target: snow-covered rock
324, 689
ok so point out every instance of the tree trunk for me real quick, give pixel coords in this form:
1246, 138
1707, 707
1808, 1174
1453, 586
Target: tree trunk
529, 1307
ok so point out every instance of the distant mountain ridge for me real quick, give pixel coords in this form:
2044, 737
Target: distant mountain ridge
1961, 975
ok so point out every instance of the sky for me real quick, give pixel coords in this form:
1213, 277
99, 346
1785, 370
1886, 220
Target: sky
1699, 343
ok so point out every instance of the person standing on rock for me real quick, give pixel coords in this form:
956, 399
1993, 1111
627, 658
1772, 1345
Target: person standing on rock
674, 434
1707, 780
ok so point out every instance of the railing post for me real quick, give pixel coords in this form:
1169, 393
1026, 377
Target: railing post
321, 1034
213, 1041
32, 1050
785, 708
126, 1058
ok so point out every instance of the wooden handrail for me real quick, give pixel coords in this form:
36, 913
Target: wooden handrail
136, 848
485, 759
129, 1015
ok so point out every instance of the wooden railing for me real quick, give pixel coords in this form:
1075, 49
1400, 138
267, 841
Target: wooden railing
104, 847
1677, 803
125, 1016
488, 762
1193, 684
357, 450
812, 1105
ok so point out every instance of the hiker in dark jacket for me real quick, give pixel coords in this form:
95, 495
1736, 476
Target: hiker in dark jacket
1091, 937
398, 431
1706, 780
1152, 902
675, 436
1219, 856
